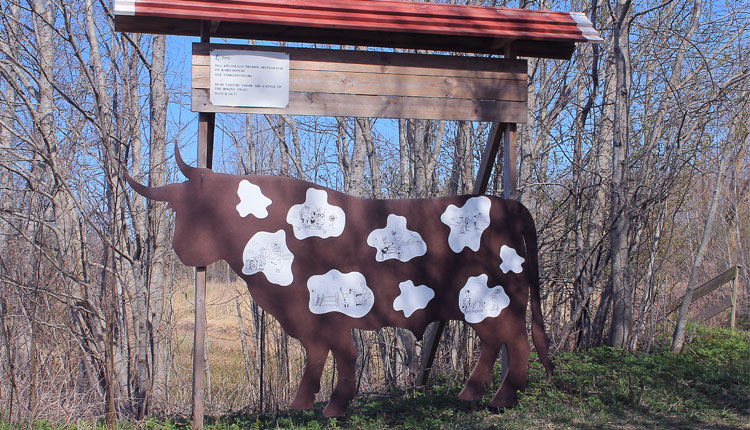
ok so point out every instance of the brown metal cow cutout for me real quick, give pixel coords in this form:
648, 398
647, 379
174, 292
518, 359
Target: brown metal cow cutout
324, 263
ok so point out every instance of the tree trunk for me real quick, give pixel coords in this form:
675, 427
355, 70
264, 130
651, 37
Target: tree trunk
678, 337
622, 290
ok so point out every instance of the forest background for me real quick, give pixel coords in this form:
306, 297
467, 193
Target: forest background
633, 163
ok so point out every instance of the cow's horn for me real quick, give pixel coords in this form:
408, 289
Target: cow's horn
184, 167
162, 194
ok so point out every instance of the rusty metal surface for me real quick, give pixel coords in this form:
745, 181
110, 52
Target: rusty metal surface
285, 245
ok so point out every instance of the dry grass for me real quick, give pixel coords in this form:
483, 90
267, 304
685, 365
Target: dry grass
233, 385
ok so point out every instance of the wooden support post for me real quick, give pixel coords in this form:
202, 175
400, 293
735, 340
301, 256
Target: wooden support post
506, 131
510, 190
510, 184
206, 124
733, 314
429, 350
488, 158
199, 351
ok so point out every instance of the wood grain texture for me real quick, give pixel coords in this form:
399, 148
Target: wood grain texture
711, 285
360, 83
385, 85
713, 310
380, 107
387, 62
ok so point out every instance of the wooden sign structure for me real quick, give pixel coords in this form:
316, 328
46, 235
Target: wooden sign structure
382, 84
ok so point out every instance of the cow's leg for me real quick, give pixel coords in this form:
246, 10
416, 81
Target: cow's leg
346, 357
316, 355
481, 376
518, 369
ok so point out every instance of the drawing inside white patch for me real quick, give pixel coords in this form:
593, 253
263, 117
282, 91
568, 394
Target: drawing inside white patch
511, 260
412, 297
340, 292
267, 252
315, 217
478, 302
396, 241
252, 200
467, 223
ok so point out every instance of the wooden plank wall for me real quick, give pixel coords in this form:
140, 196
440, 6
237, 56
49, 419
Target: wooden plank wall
385, 85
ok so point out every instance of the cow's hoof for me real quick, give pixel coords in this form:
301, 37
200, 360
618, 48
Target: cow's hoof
469, 394
300, 402
473, 390
504, 401
334, 410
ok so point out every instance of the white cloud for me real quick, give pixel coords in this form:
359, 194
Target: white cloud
315, 217
467, 223
340, 292
252, 200
511, 260
478, 302
412, 297
267, 252
396, 241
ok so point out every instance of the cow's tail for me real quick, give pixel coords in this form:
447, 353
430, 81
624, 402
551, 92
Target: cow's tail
538, 333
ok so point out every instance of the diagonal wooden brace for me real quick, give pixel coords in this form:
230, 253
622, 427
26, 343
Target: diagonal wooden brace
500, 132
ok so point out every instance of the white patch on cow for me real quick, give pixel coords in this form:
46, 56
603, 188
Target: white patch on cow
340, 292
252, 200
315, 217
511, 260
396, 241
467, 223
267, 252
478, 302
412, 297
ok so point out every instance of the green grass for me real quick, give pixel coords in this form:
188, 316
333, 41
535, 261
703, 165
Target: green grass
706, 387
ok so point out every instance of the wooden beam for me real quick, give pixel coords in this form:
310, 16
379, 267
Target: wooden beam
206, 125
430, 344
376, 83
714, 310
488, 158
510, 180
718, 281
366, 106
199, 349
386, 62
733, 314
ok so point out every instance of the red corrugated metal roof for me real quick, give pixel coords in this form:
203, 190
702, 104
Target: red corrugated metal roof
387, 23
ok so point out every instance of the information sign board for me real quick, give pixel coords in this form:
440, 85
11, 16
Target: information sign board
242, 78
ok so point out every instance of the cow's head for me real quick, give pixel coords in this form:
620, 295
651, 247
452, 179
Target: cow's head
197, 204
